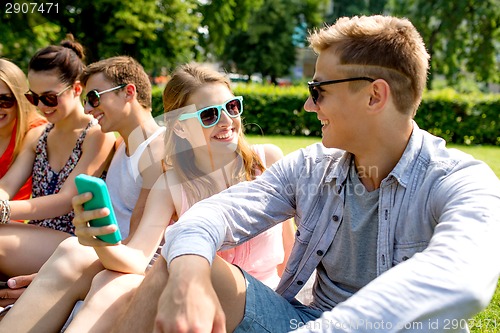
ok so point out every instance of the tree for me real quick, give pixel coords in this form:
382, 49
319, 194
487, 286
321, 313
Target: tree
462, 36
149, 30
221, 18
342, 8
177, 39
267, 47
23, 33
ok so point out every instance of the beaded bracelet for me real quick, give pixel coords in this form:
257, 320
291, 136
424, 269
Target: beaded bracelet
5, 212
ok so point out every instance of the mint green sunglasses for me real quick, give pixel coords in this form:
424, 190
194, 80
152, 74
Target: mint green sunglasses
210, 115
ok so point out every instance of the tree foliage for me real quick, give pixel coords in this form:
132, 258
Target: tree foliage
267, 46
149, 30
355, 7
462, 36
252, 36
221, 18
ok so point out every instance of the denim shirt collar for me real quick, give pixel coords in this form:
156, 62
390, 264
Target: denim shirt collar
401, 172
339, 173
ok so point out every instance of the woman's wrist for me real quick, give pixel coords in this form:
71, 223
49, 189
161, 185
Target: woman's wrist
4, 211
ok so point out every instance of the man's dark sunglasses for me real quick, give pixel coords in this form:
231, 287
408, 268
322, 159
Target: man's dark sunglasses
315, 93
7, 101
94, 97
49, 99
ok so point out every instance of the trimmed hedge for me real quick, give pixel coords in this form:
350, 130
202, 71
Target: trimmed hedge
463, 119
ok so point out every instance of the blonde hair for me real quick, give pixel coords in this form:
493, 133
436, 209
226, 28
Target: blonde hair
184, 82
381, 47
15, 79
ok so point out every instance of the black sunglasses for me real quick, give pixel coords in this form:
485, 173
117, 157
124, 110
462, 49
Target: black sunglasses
93, 97
49, 100
7, 101
315, 93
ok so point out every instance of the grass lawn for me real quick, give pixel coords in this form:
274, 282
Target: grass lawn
488, 320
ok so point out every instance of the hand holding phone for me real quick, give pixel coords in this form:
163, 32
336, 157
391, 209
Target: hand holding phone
100, 199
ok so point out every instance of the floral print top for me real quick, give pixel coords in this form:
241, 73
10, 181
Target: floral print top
46, 181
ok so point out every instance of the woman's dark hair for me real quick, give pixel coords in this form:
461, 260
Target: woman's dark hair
67, 58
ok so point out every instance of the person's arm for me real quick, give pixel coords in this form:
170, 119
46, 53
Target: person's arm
213, 224
133, 255
274, 154
447, 283
20, 170
190, 284
96, 150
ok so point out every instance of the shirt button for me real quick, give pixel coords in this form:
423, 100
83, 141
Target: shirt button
300, 283
335, 218
405, 258
319, 253
297, 233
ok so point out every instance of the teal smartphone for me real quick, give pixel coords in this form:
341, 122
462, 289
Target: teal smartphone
100, 199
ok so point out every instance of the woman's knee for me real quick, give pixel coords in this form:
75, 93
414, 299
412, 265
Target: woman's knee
72, 260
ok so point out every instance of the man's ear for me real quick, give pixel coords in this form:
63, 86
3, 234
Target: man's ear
130, 91
379, 94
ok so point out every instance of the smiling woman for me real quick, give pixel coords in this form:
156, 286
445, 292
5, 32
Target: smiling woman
17, 117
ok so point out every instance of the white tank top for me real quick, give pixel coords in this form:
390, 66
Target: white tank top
125, 182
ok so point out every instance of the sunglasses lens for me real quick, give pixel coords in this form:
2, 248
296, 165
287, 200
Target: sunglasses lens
233, 107
6, 102
210, 116
49, 100
93, 98
314, 94
32, 99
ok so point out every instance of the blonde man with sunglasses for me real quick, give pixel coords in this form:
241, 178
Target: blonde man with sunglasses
402, 232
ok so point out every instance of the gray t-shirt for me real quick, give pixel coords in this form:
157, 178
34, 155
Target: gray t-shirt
350, 262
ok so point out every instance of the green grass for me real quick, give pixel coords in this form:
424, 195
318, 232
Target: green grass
488, 154
286, 143
486, 321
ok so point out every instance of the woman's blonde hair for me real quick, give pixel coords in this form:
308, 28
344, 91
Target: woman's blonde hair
15, 79
184, 82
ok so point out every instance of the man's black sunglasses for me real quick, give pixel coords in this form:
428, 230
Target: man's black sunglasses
94, 97
315, 93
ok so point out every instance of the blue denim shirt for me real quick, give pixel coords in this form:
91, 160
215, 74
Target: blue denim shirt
439, 222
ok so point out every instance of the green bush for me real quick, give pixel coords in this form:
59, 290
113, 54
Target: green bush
463, 119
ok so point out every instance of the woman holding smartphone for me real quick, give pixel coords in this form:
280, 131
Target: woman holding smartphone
206, 153
52, 155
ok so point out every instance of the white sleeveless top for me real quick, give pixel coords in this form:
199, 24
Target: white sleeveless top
124, 182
